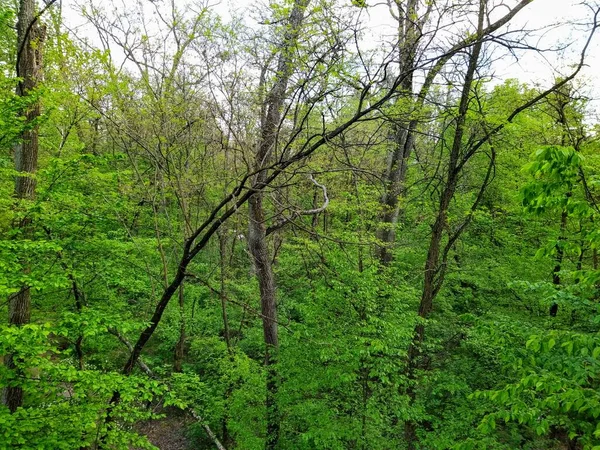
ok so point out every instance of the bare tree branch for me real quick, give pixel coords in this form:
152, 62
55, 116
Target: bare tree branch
307, 212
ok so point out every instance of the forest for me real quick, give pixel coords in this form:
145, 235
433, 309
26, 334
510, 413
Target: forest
298, 224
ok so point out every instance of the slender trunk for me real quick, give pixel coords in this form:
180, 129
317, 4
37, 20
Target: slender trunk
395, 178
222, 259
147, 332
434, 269
79, 302
79, 297
433, 273
30, 39
257, 243
402, 134
558, 260
411, 23
180, 346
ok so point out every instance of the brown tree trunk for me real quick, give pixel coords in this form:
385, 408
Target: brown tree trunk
79, 302
30, 39
402, 134
180, 346
561, 105
257, 239
558, 260
257, 243
434, 270
559, 250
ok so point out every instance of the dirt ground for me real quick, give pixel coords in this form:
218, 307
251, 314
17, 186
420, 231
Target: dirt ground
168, 433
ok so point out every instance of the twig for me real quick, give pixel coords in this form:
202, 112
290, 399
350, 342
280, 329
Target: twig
310, 212
235, 302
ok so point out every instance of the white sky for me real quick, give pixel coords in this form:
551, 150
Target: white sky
529, 68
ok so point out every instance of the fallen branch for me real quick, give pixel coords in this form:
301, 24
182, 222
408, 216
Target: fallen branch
209, 432
149, 372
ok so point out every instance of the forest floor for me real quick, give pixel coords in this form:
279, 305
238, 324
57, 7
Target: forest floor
168, 433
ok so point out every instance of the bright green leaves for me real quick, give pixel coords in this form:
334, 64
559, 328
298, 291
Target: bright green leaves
560, 187
555, 171
65, 408
559, 387
39, 277
343, 361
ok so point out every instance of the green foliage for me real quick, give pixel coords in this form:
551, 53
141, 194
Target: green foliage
135, 157
56, 393
555, 171
558, 388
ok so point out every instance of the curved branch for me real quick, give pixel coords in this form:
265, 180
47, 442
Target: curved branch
307, 212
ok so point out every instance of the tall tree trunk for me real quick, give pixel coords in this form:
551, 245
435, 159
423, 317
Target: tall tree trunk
434, 270
562, 100
79, 303
257, 243
30, 39
559, 251
558, 260
402, 132
257, 239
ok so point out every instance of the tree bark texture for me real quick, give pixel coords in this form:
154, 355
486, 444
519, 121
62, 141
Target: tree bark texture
257, 238
30, 39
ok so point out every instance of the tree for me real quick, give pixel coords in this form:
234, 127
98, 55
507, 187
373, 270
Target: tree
257, 238
414, 30
460, 153
29, 65
307, 320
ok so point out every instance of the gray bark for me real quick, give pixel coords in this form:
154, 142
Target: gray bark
402, 135
257, 237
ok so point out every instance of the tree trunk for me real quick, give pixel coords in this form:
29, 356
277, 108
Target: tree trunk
561, 105
402, 134
257, 243
434, 270
411, 22
30, 39
257, 239
559, 259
